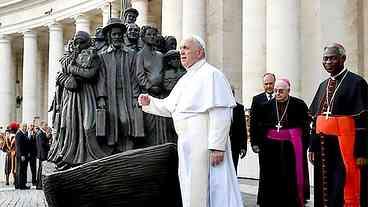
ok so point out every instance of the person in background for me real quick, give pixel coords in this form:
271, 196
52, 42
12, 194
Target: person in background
340, 154
32, 151
284, 124
43, 147
238, 134
256, 138
21, 139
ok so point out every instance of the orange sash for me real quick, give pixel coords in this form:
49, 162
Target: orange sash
344, 128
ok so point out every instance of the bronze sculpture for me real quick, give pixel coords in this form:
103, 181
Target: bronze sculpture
116, 74
130, 15
170, 43
132, 37
150, 76
149, 62
173, 71
123, 71
75, 140
118, 89
99, 40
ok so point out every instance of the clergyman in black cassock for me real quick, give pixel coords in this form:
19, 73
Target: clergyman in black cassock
284, 124
344, 94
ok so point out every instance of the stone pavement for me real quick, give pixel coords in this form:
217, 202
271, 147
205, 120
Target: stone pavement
9, 197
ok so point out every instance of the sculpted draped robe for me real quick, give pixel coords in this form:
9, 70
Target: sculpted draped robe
201, 106
75, 140
117, 83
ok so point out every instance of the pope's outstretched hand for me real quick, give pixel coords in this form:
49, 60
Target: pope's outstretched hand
143, 100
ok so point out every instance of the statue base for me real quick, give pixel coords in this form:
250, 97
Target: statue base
135, 178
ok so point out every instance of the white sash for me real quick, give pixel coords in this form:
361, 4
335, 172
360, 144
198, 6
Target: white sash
193, 159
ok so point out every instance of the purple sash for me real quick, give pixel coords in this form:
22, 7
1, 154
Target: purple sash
294, 135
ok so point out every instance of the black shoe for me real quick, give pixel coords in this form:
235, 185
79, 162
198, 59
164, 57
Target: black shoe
7, 183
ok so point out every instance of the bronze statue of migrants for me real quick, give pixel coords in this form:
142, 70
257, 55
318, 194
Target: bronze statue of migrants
75, 140
116, 83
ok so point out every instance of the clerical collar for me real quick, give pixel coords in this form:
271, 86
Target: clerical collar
196, 65
336, 76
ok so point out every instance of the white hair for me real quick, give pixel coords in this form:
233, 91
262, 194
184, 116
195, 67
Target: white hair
197, 40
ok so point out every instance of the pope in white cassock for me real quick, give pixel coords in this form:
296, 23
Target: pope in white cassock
201, 106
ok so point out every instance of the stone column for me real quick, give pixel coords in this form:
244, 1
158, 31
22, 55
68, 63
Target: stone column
40, 81
106, 11
31, 100
56, 50
283, 41
254, 48
7, 81
224, 41
82, 23
172, 21
311, 52
194, 18
340, 22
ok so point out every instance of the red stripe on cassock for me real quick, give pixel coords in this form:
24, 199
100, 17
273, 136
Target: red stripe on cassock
344, 128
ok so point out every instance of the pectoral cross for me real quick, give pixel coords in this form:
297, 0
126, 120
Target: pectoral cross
278, 126
327, 113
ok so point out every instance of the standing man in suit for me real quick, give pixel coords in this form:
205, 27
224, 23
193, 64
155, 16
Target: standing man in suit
32, 150
255, 132
43, 147
238, 134
21, 154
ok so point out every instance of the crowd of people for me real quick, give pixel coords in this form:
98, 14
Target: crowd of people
25, 144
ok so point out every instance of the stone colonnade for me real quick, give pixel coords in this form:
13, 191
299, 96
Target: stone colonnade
244, 38
33, 80
179, 18
287, 37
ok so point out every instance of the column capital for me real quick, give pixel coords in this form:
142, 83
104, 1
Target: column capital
55, 26
105, 7
29, 33
81, 18
82, 23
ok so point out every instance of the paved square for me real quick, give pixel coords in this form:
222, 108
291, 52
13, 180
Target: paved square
9, 197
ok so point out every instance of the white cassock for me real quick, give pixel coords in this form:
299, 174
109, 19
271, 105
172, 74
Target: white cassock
201, 106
